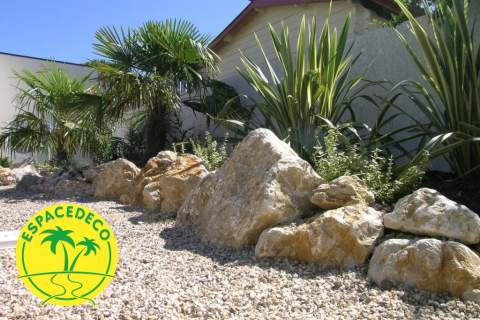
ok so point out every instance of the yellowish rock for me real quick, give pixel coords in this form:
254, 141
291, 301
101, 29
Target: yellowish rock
7, 178
427, 212
165, 182
115, 179
264, 183
344, 237
428, 264
341, 192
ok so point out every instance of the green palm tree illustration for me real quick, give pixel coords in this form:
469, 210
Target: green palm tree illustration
56, 236
90, 246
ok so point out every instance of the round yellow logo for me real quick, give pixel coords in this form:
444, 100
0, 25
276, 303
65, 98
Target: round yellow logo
66, 254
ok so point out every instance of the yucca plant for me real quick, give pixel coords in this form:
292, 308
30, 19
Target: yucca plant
450, 99
313, 82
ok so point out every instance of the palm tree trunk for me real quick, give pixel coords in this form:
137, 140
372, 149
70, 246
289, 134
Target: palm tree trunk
76, 259
155, 132
60, 157
61, 154
65, 265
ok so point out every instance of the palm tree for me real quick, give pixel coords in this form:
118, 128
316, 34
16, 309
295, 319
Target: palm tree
57, 236
149, 69
58, 115
90, 246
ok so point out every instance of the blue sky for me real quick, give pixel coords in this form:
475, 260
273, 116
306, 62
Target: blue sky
64, 30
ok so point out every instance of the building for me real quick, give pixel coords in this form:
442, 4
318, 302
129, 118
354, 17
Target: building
254, 19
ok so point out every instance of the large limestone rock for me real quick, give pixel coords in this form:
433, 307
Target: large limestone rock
341, 192
344, 237
264, 183
166, 181
428, 264
117, 178
427, 212
7, 178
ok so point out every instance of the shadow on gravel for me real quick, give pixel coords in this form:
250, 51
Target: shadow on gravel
14, 195
147, 217
182, 239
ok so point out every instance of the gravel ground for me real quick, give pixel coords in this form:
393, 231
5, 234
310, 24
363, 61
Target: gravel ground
166, 273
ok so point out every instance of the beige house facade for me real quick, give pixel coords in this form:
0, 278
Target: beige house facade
239, 36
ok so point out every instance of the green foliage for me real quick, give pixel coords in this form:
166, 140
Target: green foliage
134, 146
449, 62
314, 84
47, 168
57, 115
150, 68
333, 159
131, 147
222, 106
212, 154
4, 162
415, 6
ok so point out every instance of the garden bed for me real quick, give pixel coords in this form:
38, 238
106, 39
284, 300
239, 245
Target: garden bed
167, 273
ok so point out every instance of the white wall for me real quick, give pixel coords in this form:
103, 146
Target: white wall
9, 64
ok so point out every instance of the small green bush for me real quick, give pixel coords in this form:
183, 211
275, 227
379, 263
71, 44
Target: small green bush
49, 167
4, 162
212, 154
332, 160
131, 147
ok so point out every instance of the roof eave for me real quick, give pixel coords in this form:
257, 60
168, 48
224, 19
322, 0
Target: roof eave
387, 4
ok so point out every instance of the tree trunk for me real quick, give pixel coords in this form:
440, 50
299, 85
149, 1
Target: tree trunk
60, 157
155, 132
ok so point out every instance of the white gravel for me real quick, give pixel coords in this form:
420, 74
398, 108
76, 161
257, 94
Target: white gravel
166, 273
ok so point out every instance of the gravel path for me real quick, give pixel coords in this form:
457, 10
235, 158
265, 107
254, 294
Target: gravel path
166, 273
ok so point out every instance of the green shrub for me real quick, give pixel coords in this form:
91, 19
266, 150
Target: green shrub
48, 167
4, 162
212, 154
131, 147
333, 159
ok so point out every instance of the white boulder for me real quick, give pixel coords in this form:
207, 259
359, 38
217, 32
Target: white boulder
427, 212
